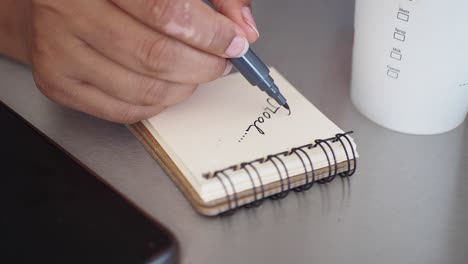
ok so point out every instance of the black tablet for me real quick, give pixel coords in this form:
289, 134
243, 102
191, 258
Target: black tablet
53, 210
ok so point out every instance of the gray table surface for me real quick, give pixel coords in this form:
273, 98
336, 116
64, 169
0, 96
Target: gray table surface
408, 202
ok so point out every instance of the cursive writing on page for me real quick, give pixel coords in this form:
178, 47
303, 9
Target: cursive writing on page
268, 113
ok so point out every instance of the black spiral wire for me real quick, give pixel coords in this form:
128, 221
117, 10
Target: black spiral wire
275, 159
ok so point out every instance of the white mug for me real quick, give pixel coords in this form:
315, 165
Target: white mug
410, 64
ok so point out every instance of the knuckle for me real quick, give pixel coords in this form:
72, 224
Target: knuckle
220, 5
128, 115
160, 11
221, 65
192, 90
216, 69
187, 93
38, 45
183, 94
39, 6
155, 54
43, 85
156, 93
72, 92
38, 79
220, 37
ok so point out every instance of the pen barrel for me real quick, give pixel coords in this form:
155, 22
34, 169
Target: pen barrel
252, 68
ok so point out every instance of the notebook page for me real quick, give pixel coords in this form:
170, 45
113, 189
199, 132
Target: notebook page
227, 122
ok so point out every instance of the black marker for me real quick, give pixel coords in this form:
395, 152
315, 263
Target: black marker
258, 74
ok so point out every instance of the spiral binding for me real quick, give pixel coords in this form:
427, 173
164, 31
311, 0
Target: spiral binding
277, 162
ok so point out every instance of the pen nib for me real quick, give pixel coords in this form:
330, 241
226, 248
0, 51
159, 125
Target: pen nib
286, 106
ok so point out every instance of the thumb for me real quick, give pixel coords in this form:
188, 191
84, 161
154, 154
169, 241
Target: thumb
240, 12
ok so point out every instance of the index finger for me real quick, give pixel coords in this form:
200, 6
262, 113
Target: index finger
192, 22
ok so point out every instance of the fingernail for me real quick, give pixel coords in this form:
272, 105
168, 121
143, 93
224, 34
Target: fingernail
228, 68
237, 48
248, 18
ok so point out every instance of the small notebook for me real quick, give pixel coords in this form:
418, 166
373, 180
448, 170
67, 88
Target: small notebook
229, 145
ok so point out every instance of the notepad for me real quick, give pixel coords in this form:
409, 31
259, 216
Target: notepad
230, 145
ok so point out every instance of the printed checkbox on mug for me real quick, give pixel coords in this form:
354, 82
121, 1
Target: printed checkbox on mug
399, 36
402, 16
392, 73
395, 55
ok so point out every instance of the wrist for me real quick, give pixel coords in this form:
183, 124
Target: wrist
14, 15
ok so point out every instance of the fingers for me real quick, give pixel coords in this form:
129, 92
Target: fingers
90, 83
192, 22
125, 40
88, 99
125, 85
126, 61
240, 12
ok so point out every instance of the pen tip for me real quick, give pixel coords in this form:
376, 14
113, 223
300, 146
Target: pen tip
286, 106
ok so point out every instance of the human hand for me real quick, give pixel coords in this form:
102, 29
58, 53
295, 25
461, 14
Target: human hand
126, 60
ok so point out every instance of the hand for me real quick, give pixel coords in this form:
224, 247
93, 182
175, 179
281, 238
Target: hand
126, 60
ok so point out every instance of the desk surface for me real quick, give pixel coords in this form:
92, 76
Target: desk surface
406, 204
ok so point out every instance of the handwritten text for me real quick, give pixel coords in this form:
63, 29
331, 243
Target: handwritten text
268, 113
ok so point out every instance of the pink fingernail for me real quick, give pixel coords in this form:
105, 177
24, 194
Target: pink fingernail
237, 48
248, 18
228, 68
